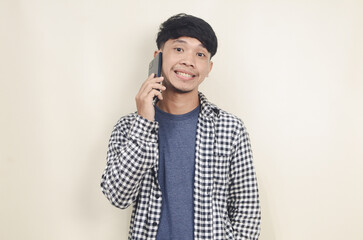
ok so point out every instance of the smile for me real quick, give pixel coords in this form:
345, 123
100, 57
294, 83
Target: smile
184, 74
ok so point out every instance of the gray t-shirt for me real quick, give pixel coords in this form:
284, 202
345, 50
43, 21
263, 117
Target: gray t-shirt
177, 135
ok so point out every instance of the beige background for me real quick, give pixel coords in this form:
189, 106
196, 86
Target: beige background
292, 70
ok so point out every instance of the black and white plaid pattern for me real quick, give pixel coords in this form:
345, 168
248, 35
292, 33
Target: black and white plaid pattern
226, 204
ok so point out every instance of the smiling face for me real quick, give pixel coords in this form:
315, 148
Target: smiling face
186, 63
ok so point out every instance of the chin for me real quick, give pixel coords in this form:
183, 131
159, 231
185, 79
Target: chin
180, 89
183, 90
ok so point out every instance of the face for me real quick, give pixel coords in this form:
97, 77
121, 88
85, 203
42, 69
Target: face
186, 63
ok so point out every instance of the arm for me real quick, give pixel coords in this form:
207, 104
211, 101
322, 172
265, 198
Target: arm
133, 147
132, 151
243, 202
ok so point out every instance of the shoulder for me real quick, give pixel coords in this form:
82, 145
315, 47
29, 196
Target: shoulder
231, 124
223, 120
227, 119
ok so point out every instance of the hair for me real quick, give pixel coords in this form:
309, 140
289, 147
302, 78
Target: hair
181, 25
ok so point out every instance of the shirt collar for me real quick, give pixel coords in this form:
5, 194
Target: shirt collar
207, 109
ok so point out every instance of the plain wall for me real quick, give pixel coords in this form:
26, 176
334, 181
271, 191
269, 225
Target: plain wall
291, 70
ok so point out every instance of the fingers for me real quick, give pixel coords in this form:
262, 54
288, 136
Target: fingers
151, 84
149, 89
150, 80
154, 93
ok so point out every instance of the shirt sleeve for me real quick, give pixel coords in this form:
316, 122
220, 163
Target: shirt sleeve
243, 201
132, 151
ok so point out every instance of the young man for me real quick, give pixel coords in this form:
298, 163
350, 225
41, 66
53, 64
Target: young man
185, 164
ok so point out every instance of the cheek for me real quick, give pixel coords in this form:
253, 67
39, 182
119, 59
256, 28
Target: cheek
166, 70
167, 63
204, 71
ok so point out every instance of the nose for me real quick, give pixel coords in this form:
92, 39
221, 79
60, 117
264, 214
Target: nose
188, 60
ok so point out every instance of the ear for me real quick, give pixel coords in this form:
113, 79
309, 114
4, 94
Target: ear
210, 67
156, 52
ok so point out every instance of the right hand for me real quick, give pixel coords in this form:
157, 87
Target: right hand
144, 99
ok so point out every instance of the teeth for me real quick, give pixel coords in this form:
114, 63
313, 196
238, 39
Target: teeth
184, 74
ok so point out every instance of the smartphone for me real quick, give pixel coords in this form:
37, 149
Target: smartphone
155, 65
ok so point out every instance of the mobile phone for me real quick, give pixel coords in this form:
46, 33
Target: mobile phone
155, 65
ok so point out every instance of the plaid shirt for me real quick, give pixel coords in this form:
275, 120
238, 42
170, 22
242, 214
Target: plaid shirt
226, 204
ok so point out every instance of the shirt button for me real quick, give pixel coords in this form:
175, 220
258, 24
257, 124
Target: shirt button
155, 224
157, 196
153, 131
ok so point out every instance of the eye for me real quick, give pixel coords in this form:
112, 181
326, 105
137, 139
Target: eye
201, 54
178, 49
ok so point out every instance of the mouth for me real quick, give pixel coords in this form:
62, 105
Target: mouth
184, 75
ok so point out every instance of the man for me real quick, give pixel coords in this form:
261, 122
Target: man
185, 164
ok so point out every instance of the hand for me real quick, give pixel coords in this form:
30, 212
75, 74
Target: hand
144, 99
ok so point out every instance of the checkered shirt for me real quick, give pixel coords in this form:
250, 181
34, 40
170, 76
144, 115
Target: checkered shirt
226, 203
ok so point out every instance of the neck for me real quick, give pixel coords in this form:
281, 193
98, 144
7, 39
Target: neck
178, 103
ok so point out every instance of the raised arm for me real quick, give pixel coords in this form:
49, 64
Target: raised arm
132, 151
